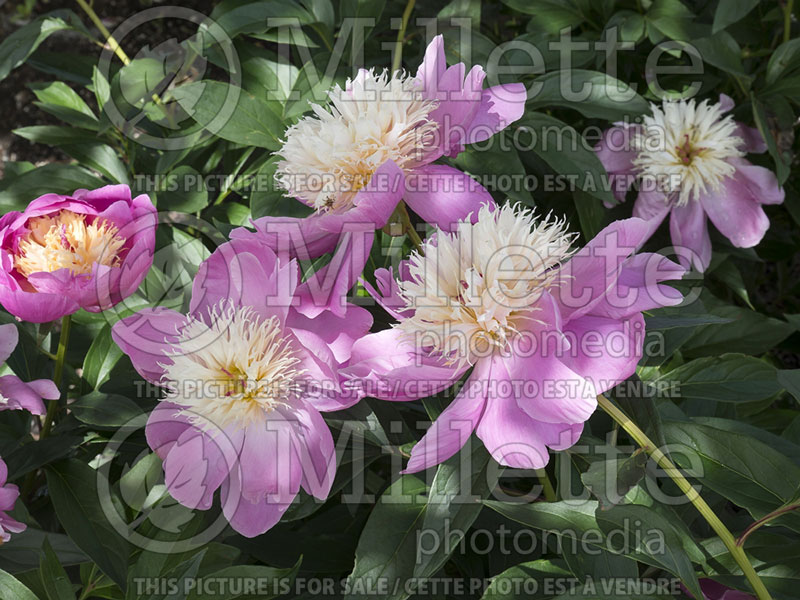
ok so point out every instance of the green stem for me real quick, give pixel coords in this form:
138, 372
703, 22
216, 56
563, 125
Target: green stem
52, 406
694, 497
766, 519
547, 485
104, 32
397, 61
787, 20
408, 227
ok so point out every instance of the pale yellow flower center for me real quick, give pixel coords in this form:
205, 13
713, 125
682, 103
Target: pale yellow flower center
66, 241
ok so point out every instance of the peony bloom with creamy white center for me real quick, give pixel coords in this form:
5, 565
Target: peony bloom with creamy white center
246, 375
373, 145
8, 498
63, 253
544, 328
16, 394
688, 159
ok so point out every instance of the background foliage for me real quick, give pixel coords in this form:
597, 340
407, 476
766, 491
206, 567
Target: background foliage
733, 352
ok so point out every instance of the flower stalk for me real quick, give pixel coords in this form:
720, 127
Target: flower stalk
694, 497
52, 406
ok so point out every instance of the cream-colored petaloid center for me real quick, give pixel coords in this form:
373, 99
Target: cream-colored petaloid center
473, 290
233, 372
67, 241
685, 149
329, 156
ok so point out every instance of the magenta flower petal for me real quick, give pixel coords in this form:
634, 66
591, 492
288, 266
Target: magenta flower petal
651, 206
500, 106
10, 493
9, 337
443, 196
689, 229
736, 214
147, 337
316, 451
452, 428
762, 183
511, 436
91, 250
612, 349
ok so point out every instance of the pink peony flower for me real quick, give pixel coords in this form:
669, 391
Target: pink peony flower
381, 133
16, 394
89, 250
8, 497
543, 329
247, 373
689, 161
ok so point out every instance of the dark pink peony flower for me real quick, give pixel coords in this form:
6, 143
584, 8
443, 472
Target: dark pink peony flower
16, 394
247, 372
543, 329
8, 497
63, 253
381, 133
689, 161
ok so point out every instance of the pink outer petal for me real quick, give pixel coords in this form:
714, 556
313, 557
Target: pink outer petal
549, 390
315, 449
443, 196
20, 395
585, 279
639, 287
3, 472
500, 106
244, 272
166, 423
753, 140
388, 293
433, 65
762, 183
9, 337
689, 231
319, 233
385, 365
34, 307
198, 462
615, 150
736, 213
326, 290
511, 436
651, 206
451, 429
8, 496
146, 337
339, 333
605, 351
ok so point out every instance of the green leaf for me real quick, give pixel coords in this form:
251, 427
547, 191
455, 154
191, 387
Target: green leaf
31, 456
722, 51
525, 581
650, 538
54, 577
593, 94
73, 490
55, 135
23, 554
610, 480
565, 150
12, 589
747, 332
783, 61
55, 178
60, 100
726, 378
20, 45
742, 469
104, 410
388, 545
101, 357
760, 117
271, 582
673, 20
790, 380
549, 15
730, 11
252, 122
101, 87
190, 194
